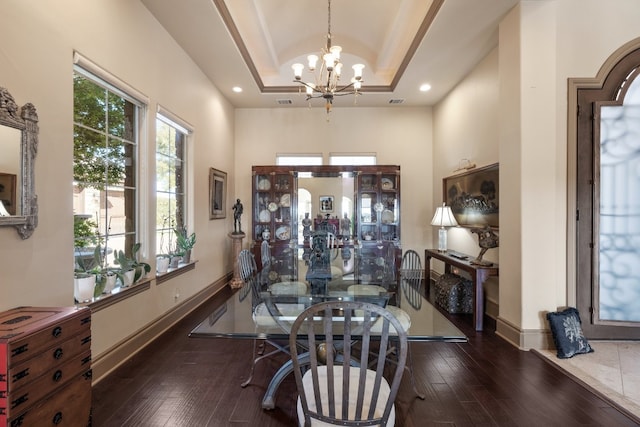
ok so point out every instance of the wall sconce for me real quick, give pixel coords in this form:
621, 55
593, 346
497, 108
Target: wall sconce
443, 218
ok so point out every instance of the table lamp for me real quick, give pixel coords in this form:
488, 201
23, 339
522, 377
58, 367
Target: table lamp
443, 218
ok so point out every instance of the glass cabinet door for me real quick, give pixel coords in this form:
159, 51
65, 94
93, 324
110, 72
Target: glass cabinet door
272, 205
274, 223
378, 207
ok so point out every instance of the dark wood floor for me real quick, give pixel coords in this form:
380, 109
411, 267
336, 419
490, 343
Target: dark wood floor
182, 381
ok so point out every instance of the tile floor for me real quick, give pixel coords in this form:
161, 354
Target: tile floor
613, 369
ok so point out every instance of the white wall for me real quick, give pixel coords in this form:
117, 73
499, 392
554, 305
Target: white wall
466, 127
520, 94
399, 136
36, 65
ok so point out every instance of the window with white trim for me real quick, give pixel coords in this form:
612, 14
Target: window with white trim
171, 182
106, 155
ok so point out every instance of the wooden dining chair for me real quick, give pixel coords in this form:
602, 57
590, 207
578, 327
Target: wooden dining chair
335, 383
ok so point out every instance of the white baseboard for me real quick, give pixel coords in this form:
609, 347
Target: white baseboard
524, 339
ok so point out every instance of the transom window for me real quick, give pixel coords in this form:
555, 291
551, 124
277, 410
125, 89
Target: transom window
352, 159
298, 159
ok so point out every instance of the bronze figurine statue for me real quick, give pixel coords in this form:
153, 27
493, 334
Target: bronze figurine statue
237, 214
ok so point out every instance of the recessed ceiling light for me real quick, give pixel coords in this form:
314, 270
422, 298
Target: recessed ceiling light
237, 89
425, 87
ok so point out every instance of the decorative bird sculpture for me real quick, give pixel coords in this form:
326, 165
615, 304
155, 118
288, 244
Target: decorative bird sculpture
487, 239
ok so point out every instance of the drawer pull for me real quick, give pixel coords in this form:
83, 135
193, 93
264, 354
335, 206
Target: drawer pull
19, 350
20, 375
58, 353
19, 401
57, 375
18, 421
57, 418
57, 331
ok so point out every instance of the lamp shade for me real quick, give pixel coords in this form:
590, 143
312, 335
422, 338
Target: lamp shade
444, 217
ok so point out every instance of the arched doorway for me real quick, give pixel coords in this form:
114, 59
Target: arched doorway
608, 199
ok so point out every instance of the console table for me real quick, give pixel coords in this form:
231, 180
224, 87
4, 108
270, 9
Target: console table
479, 274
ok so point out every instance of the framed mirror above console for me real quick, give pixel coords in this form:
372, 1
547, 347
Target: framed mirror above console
18, 148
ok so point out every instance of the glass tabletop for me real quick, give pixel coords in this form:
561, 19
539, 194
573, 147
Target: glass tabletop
268, 314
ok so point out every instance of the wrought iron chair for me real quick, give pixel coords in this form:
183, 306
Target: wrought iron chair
411, 278
337, 386
411, 289
249, 274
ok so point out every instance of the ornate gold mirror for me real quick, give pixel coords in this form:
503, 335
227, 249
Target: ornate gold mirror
18, 147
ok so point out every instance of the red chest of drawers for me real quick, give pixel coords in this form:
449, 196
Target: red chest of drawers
45, 366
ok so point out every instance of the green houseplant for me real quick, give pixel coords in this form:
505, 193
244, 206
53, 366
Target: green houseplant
185, 243
95, 275
130, 268
85, 238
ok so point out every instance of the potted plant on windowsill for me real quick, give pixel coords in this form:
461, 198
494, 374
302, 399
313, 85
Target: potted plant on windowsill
93, 278
130, 269
162, 263
168, 258
85, 237
185, 243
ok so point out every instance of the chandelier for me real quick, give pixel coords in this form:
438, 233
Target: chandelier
327, 77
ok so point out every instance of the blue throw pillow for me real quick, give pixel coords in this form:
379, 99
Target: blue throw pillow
566, 329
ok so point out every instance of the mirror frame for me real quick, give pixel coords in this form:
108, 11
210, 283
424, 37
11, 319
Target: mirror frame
24, 119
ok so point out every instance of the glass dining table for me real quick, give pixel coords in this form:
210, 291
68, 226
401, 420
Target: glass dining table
266, 311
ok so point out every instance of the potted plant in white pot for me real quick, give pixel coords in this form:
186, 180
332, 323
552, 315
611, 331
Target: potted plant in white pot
85, 237
131, 270
106, 277
84, 277
162, 263
163, 260
185, 243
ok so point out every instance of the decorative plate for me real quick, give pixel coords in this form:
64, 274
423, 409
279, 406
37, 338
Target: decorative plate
272, 207
283, 233
264, 184
265, 216
285, 200
387, 216
387, 184
378, 207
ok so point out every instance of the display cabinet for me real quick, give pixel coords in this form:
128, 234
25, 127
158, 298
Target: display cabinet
364, 209
274, 209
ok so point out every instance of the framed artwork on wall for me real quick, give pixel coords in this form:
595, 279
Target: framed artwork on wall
8, 192
217, 194
473, 196
326, 204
